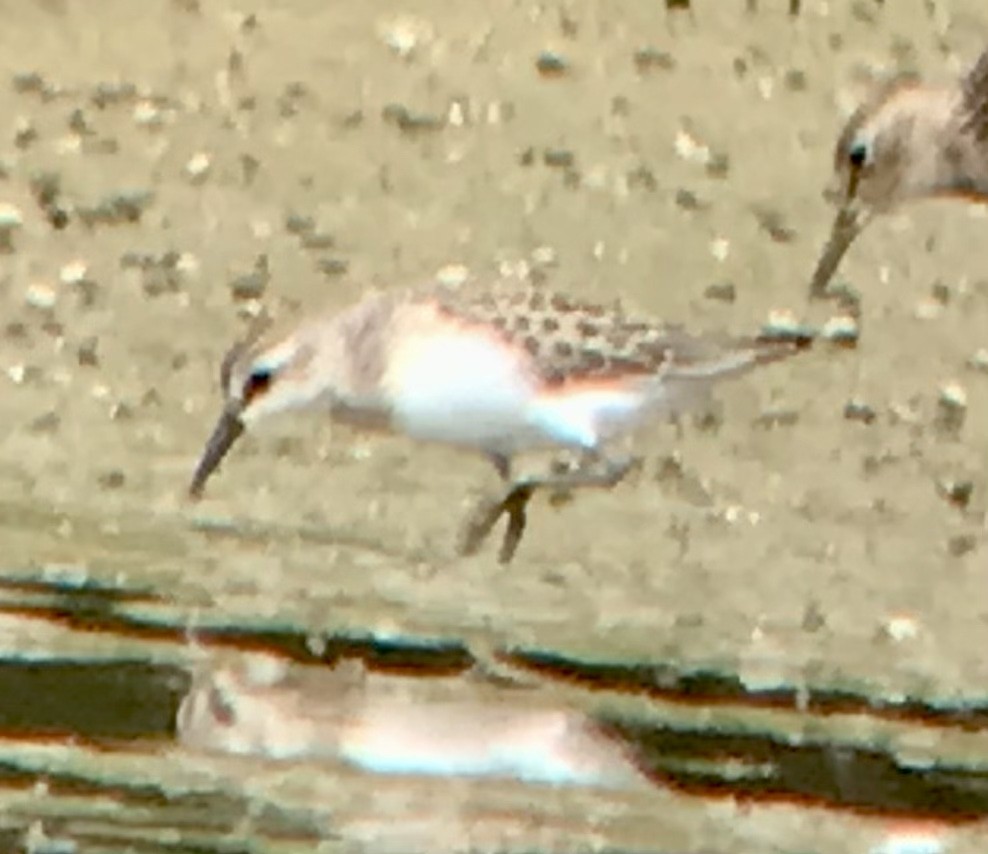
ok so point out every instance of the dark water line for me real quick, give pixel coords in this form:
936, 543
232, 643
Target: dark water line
83, 587
855, 779
425, 657
710, 688
111, 703
98, 613
131, 706
95, 608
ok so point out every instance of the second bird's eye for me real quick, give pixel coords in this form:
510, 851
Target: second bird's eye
257, 383
858, 154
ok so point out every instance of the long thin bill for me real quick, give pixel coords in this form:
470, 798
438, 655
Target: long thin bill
848, 224
225, 433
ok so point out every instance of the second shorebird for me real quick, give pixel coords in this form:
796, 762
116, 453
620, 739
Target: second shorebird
496, 371
908, 141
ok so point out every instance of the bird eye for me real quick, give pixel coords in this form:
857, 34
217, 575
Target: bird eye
257, 383
858, 153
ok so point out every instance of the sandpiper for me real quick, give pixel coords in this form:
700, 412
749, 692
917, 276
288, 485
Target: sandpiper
265, 707
499, 371
908, 141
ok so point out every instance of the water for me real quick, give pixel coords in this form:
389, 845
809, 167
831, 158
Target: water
785, 625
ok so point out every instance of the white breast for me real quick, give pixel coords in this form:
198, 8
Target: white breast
462, 388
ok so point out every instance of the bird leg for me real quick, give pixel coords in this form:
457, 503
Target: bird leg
595, 471
512, 503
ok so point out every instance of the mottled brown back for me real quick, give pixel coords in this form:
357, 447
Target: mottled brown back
571, 339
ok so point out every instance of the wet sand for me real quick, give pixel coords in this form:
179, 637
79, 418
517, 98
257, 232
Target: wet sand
382, 145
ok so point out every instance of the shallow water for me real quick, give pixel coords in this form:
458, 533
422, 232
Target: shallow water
781, 611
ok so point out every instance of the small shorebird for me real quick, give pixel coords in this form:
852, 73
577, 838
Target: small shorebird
908, 141
496, 371
397, 724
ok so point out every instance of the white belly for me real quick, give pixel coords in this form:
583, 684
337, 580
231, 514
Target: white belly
473, 391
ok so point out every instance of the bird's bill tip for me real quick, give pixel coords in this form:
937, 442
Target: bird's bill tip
847, 225
227, 430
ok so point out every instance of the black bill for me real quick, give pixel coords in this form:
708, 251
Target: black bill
848, 224
225, 433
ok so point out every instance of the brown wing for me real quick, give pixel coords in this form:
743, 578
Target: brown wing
570, 339
975, 106
567, 338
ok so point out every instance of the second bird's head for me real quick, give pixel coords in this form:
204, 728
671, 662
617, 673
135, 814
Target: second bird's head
259, 379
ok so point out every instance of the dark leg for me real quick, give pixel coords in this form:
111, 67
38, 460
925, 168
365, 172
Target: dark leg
479, 525
596, 471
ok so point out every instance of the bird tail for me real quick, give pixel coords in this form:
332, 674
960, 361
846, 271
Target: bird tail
741, 355
687, 385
